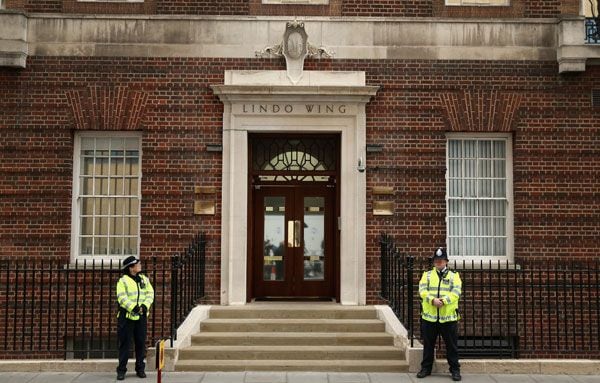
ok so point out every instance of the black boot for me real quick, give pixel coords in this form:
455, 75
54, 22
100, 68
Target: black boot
141, 374
456, 375
423, 373
120, 375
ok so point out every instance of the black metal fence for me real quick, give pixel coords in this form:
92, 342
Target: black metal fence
541, 309
49, 309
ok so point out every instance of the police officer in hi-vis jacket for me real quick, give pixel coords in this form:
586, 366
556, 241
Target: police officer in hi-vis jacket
135, 296
440, 290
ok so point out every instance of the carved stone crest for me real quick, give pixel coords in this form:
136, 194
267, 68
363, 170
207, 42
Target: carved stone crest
295, 48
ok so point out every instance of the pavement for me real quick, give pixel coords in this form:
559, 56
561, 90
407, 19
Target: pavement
284, 377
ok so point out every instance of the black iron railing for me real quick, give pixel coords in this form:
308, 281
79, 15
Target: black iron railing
536, 308
592, 34
49, 309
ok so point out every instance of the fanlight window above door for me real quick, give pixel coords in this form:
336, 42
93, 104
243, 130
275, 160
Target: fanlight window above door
299, 159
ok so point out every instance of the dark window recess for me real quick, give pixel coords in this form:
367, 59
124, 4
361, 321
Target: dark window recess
595, 98
473, 347
97, 348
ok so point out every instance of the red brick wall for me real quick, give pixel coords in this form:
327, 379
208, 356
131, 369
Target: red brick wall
367, 8
204, 7
555, 131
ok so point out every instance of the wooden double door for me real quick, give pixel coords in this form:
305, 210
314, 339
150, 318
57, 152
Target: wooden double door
294, 241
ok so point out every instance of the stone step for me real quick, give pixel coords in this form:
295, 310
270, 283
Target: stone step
291, 353
292, 338
294, 365
294, 312
293, 325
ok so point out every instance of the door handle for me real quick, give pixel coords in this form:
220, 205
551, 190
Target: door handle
297, 234
290, 233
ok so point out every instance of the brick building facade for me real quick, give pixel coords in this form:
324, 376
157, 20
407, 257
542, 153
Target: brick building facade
514, 77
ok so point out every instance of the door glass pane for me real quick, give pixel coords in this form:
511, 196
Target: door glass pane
314, 238
274, 239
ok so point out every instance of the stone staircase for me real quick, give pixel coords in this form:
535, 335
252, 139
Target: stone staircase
292, 337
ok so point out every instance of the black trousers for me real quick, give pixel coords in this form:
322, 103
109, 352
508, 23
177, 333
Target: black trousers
430, 332
126, 330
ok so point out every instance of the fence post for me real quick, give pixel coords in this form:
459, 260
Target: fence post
174, 295
384, 266
410, 298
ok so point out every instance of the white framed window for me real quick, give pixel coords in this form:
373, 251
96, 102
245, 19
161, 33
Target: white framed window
297, 2
479, 209
110, 1
478, 2
106, 195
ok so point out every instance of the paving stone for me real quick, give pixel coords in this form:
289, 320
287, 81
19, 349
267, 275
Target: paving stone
383, 377
553, 379
17, 377
96, 377
348, 378
56, 377
305, 377
512, 378
181, 377
223, 377
586, 378
265, 377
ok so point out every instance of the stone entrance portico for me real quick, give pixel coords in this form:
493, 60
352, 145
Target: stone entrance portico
321, 102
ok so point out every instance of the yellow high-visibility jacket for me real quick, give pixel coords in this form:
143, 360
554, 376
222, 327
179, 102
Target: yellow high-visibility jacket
131, 294
448, 289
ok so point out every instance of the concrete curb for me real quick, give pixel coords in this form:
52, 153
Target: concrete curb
469, 366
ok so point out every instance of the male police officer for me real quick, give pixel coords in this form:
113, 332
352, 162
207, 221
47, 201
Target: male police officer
135, 296
440, 291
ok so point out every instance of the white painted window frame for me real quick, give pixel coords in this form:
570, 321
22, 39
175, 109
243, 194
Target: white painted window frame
110, 1
507, 137
474, 3
296, 2
76, 200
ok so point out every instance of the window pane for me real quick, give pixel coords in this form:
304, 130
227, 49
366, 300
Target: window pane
500, 149
470, 149
87, 166
470, 168
87, 206
455, 149
500, 208
87, 226
132, 206
116, 226
101, 166
116, 245
500, 226
499, 188
485, 208
485, 149
455, 226
131, 166
485, 169
87, 146
485, 188
86, 244
100, 245
456, 188
131, 186
499, 168
87, 186
470, 188
454, 208
117, 166
499, 246
455, 168
129, 245
101, 226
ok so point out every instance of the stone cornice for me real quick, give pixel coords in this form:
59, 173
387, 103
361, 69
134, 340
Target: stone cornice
241, 36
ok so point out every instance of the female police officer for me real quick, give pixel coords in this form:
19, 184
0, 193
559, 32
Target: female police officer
440, 291
135, 296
